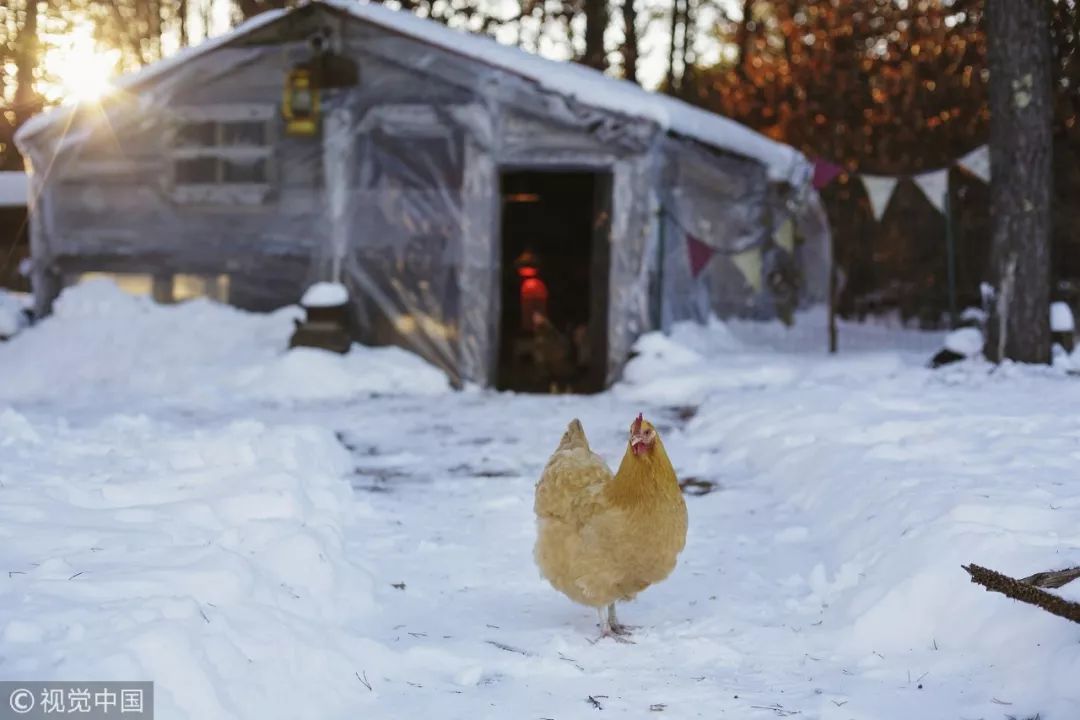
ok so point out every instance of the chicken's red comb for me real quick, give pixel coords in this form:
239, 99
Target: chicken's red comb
636, 427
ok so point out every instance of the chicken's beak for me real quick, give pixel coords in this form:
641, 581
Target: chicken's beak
637, 443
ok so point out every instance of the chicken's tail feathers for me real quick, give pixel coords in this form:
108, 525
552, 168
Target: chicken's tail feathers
574, 436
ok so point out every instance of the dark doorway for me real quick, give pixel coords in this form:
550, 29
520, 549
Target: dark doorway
555, 255
14, 248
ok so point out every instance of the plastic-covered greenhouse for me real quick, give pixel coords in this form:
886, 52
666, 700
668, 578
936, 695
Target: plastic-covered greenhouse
471, 196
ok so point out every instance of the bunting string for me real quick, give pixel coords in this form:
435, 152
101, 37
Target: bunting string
934, 185
748, 260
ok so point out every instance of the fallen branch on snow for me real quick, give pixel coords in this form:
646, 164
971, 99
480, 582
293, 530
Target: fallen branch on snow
1029, 590
1052, 578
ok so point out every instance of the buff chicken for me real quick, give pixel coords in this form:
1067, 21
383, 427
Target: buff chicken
603, 538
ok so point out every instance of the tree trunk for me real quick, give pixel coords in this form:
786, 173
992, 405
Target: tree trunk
677, 18
26, 61
250, 8
596, 23
206, 17
182, 15
1021, 114
630, 49
687, 59
743, 35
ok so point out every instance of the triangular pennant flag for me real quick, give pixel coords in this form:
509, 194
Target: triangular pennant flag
825, 172
934, 185
880, 190
785, 236
977, 162
749, 264
700, 255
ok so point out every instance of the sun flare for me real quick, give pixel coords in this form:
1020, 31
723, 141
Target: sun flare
78, 68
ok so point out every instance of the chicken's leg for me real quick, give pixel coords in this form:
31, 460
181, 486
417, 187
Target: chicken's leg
613, 622
608, 629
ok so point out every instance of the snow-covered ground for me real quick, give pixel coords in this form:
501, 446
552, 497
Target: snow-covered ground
300, 535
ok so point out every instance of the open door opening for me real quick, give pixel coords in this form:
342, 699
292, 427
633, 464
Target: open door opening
555, 255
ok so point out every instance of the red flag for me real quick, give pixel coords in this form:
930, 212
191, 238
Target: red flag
700, 255
825, 172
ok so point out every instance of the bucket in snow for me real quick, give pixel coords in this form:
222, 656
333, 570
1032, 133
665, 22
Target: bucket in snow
326, 321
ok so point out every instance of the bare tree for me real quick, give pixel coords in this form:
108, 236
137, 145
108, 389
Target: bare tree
251, 8
1021, 117
26, 61
182, 19
678, 17
630, 50
597, 17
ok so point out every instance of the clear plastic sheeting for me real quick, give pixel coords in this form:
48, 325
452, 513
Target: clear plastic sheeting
192, 172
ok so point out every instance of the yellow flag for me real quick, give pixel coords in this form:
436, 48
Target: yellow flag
785, 236
749, 264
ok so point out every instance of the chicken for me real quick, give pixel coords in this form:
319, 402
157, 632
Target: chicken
603, 538
551, 354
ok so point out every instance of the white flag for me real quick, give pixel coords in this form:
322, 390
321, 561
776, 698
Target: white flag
934, 185
880, 190
977, 162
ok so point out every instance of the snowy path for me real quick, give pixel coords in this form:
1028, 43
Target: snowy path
743, 626
263, 538
461, 543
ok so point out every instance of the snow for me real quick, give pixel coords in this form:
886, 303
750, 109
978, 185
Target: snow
1069, 591
966, 341
136, 548
337, 555
588, 86
196, 354
12, 314
325, 294
1061, 318
974, 315
14, 190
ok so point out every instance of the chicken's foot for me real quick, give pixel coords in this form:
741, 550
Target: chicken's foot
617, 627
610, 626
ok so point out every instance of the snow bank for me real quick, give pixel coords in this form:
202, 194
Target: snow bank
210, 561
902, 485
101, 341
966, 341
305, 374
695, 360
682, 367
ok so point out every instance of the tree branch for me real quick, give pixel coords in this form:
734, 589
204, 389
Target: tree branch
1027, 592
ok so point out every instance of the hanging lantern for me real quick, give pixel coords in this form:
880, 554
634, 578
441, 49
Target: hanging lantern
300, 104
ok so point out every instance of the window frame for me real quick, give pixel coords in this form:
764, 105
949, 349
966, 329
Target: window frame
220, 192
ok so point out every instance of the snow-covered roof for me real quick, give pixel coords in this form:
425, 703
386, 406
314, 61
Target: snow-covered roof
586, 85
13, 189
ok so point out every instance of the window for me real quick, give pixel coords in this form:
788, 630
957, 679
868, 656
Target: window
131, 283
187, 287
223, 155
165, 288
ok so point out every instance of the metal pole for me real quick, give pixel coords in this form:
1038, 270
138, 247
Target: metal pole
950, 251
833, 344
660, 271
